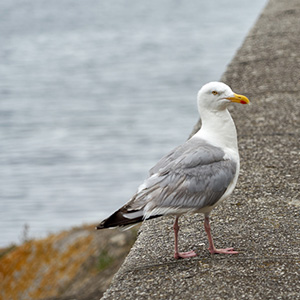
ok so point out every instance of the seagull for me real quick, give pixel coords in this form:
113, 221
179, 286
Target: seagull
195, 176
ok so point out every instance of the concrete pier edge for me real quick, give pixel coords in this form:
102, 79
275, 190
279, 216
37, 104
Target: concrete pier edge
262, 217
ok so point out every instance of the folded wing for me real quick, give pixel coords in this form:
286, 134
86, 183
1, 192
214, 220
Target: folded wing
191, 177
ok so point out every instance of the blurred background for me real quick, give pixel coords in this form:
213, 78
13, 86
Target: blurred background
93, 93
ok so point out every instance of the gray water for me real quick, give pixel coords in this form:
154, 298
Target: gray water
93, 93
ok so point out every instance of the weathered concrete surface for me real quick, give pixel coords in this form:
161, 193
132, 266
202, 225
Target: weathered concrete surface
261, 219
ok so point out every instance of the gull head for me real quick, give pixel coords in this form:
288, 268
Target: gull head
216, 96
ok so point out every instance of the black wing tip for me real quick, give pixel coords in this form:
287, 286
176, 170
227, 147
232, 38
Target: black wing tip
104, 224
118, 220
99, 227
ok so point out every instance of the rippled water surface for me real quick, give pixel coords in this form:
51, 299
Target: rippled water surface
93, 93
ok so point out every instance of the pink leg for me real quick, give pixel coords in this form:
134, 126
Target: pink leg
178, 254
212, 248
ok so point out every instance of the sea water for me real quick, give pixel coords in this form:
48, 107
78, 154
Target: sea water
93, 93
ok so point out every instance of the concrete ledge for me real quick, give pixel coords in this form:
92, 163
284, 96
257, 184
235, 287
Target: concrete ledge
262, 218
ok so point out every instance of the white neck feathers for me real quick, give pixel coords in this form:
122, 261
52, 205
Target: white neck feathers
218, 128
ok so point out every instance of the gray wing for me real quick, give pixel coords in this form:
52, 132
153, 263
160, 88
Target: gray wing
193, 175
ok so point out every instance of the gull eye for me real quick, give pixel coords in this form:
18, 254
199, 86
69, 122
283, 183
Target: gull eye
214, 92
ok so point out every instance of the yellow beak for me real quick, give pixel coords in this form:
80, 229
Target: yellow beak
239, 99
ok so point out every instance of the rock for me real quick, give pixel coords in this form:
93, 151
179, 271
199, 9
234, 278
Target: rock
75, 264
